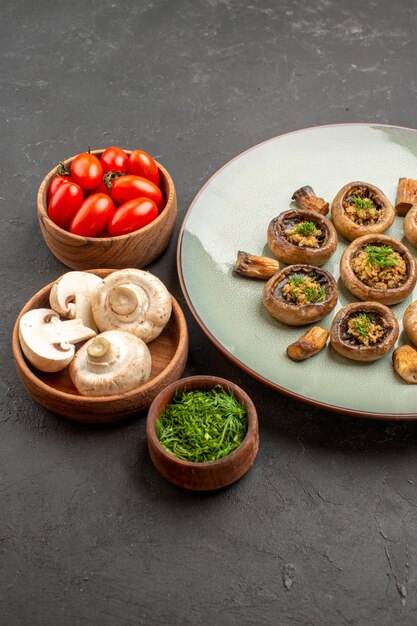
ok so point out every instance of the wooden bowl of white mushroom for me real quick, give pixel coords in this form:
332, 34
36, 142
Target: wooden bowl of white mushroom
98, 346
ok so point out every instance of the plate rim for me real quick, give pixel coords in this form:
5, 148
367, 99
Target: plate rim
305, 399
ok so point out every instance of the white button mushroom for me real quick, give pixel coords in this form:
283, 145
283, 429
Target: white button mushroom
113, 362
47, 342
132, 300
71, 296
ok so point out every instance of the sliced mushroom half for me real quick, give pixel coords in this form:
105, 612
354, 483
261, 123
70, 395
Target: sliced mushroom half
360, 209
114, 362
132, 300
300, 236
364, 331
71, 296
47, 342
300, 294
378, 268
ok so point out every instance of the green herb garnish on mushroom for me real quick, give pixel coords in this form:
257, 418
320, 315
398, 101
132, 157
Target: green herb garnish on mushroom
362, 203
384, 256
304, 290
306, 228
362, 324
201, 426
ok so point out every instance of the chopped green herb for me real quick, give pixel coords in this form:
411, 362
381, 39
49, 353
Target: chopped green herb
201, 426
362, 203
306, 228
381, 255
313, 292
315, 295
297, 281
362, 324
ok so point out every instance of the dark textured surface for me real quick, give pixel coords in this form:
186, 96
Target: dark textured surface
323, 529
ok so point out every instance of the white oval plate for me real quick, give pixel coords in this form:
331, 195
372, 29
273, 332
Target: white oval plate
232, 212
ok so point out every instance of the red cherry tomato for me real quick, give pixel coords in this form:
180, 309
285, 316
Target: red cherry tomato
86, 170
56, 183
132, 215
142, 164
129, 187
92, 216
101, 188
65, 203
114, 159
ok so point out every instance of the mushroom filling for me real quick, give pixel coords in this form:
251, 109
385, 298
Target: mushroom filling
364, 329
303, 233
303, 289
380, 266
363, 207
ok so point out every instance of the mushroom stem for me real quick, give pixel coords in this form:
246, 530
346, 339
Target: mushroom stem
65, 333
125, 299
262, 267
305, 198
98, 347
406, 195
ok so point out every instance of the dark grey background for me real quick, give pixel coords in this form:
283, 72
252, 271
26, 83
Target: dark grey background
90, 533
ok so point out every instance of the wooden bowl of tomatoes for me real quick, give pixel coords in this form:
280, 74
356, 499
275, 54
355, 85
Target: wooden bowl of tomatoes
107, 208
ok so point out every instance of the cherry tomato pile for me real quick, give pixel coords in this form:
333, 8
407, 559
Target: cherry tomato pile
112, 195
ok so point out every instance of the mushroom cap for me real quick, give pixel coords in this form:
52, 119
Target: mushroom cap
290, 253
47, 342
377, 294
347, 227
71, 296
410, 225
410, 322
295, 314
132, 300
113, 362
343, 345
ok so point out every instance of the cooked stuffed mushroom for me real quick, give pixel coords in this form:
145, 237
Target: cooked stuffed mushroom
364, 331
301, 236
300, 295
361, 209
379, 268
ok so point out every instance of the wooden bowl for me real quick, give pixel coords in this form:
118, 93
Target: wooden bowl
214, 474
136, 249
56, 392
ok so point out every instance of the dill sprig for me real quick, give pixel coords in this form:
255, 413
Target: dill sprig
201, 426
314, 293
362, 203
381, 255
362, 324
306, 228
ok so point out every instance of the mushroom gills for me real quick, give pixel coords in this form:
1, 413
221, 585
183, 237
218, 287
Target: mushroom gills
71, 294
111, 363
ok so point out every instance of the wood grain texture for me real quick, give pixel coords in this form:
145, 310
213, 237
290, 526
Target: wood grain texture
203, 476
137, 249
56, 393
